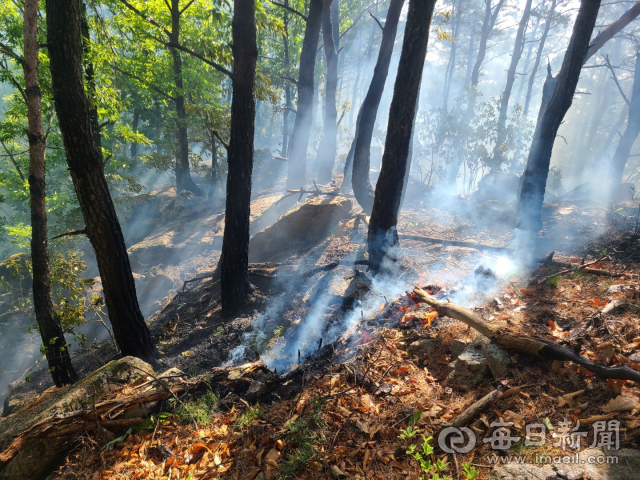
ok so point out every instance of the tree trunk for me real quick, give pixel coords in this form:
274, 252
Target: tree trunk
488, 23
297, 174
506, 94
630, 134
327, 150
64, 41
612, 30
362, 188
56, 349
451, 65
288, 106
536, 64
183, 172
134, 127
234, 259
90, 75
527, 60
384, 217
213, 183
534, 178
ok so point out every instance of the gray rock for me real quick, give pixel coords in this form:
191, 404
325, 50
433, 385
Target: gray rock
622, 465
497, 359
457, 346
470, 368
36, 460
424, 346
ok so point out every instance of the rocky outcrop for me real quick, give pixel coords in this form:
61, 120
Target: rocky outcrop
35, 460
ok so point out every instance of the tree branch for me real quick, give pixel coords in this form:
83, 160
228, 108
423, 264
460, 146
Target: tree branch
615, 78
613, 29
377, 21
220, 68
142, 15
152, 87
286, 77
224, 144
187, 6
13, 160
70, 234
10, 53
292, 10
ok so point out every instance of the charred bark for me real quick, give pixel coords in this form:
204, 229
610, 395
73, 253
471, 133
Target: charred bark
382, 233
536, 64
518, 47
362, 188
327, 150
56, 349
630, 134
234, 259
534, 178
64, 41
297, 173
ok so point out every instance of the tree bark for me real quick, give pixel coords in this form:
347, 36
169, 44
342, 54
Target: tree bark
56, 349
382, 233
234, 259
536, 64
64, 41
297, 173
489, 21
518, 47
327, 150
362, 188
630, 134
534, 178
183, 173
90, 74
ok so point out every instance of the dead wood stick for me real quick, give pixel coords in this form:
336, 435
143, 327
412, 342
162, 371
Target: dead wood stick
453, 243
579, 267
70, 234
525, 344
483, 404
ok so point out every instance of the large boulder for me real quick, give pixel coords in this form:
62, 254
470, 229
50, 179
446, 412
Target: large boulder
36, 460
299, 230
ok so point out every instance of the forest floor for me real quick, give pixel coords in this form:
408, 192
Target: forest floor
337, 428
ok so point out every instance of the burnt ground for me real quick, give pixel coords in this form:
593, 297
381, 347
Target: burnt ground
192, 336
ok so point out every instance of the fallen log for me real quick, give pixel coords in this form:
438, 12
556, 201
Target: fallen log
453, 243
523, 343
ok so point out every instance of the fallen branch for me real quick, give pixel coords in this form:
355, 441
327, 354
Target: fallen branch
453, 243
584, 267
482, 405
525, 344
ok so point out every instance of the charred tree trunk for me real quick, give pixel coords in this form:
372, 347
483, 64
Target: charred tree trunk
384, 217
630, 134
64, 41
506, 94
488, 23
536, 64
183, 172
534, 178
56, 349
297, 174
327, 150
362, 188
234, 259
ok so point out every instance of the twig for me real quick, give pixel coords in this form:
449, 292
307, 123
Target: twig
70, 234
377, 21
567, 270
